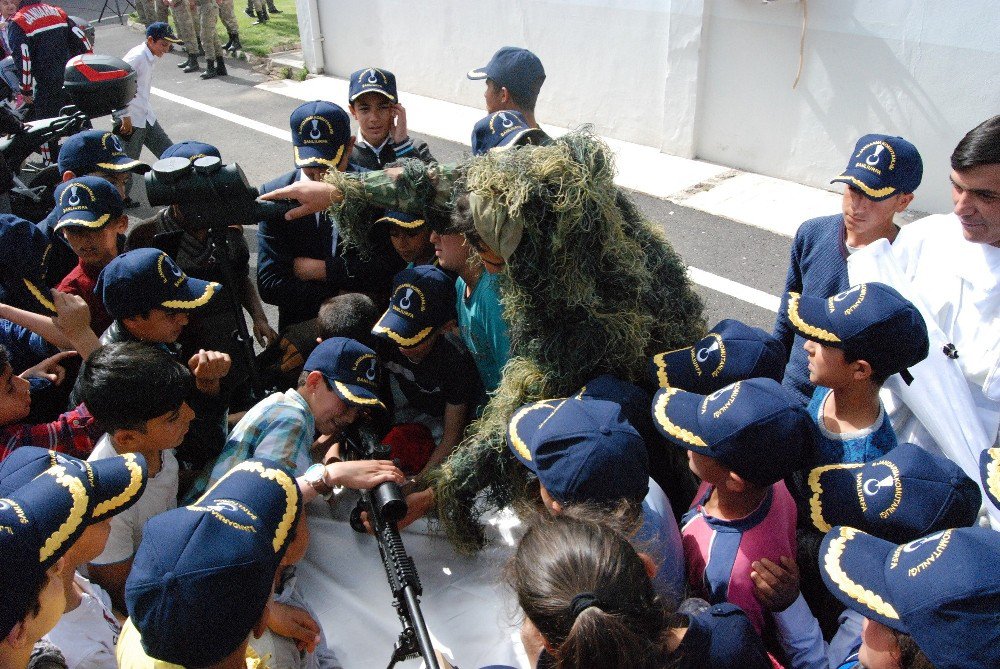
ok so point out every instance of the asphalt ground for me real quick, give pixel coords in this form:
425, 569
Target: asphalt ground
740, 253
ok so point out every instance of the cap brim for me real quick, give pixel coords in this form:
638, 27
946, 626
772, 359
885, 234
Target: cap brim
173, 40
83, 219
409, 225
125, 165
675, 414
989, 464
193, 294
120, 482
809, 319
662, 367
477, 74
827, 509
527, 420
41, 297
311, 156
872, 193
513, 141
853, 566
356, 395
401, 331
392, 98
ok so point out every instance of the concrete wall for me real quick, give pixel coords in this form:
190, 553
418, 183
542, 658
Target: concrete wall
708, 78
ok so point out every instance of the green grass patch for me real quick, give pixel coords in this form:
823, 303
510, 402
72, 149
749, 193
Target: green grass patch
280, 33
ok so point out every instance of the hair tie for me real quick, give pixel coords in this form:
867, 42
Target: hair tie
583, 601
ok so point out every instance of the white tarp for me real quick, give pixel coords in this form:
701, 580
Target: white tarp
472, 618
940, 398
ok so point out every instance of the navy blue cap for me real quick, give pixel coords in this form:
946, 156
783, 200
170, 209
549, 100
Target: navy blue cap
22, 261
756, 428
402, 220
97, 150
88, 202
116, 483
516, 69
869, 321
351, 368
731, 351
372, 80
203, 573
902, 496
502, 129
190, 149
320, 133
144, 279
39, 522
423, 298
882, 166
161, 30
989, 469
941, 589
582, 449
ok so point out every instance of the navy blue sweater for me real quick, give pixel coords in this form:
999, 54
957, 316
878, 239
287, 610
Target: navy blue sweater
818, 267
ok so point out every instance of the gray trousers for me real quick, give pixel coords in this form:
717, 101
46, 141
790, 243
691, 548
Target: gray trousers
154, 138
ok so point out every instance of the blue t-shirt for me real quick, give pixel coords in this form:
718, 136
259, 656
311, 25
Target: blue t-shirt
864, 445
481, 324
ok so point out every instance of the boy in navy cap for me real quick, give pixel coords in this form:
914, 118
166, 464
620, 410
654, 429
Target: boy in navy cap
23, 252
855, 341
742, 441
503, 129
302, 262
338, 385
434, 379
572, 444
881, 176
87, 632
374, 104
411, 237
39, 522
931, 602
92, 219
513, 77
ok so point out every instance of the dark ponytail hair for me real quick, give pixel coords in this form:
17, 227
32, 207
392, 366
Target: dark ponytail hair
585, 588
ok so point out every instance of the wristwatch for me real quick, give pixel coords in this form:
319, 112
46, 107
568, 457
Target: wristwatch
315, 476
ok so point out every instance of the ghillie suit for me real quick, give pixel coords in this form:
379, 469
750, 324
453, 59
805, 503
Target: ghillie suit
592, 288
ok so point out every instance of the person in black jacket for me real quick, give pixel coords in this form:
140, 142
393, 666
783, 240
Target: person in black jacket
374, 103
304, 261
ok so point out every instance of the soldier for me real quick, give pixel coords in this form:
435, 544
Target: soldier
208, 15
184, 20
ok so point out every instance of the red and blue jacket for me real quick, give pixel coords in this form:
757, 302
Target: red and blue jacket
42, 39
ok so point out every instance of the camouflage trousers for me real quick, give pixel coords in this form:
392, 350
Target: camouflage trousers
208, 15
184, 20
228, 17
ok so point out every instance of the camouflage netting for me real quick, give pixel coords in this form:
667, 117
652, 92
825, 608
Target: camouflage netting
593, 288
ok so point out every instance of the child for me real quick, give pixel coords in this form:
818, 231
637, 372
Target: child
571, 444
203, 574
880, 178
741, 441
374, 104
411, 237
337, 386
514, 77
93, 221
855, 341
931, 602
480, 314
151, 300
138, 395
433, 377
588, 600
88, 630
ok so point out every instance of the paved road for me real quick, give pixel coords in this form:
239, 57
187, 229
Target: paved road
741, 253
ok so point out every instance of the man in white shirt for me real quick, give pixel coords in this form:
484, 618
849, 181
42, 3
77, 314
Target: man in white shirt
953, 261
138, 124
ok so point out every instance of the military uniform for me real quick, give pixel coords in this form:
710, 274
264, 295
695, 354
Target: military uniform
228, 17
184, 20
208, 15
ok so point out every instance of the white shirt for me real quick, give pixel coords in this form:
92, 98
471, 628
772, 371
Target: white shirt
142, 61
87, 635
160, 495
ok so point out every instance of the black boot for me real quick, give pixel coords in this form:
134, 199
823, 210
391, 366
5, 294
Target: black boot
249, 10
228, 45
261, 17
220, 68
185, 63
210, 71
192, 65
237, 45
201, 49
271, 8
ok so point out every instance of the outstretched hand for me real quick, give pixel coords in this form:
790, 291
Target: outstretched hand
49, 369
312, 196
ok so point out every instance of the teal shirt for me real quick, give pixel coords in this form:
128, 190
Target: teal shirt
481, 324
